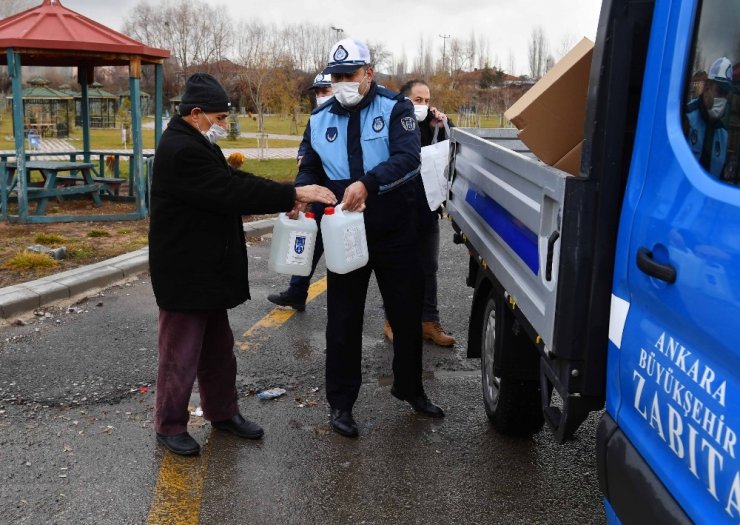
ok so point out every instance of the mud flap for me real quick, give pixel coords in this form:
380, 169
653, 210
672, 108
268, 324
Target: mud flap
565, 420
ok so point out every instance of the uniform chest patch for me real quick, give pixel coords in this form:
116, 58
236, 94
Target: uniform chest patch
331, 134
408, 123
694, 137
378, 124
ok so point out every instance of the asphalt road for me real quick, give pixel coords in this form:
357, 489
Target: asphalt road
77, 444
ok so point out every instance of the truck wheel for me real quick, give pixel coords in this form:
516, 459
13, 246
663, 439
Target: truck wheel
513, 405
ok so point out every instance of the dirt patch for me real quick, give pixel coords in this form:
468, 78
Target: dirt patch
86, 242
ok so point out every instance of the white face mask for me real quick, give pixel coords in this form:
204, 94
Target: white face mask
718, 108
321, 100
421, 111
215, 132
348, 93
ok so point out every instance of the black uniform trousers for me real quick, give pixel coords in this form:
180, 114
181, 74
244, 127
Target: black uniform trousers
401, 284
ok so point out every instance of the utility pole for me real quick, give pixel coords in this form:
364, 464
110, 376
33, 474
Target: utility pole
339, 31
444, 49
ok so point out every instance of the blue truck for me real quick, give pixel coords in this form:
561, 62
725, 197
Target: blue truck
619, 288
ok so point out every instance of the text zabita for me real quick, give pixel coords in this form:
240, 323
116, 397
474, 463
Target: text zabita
691, 422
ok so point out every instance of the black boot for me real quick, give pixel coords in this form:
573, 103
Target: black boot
421, 404
285, 299
343, 423
181, 444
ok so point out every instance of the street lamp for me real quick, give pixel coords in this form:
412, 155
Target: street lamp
444, 49
339, 31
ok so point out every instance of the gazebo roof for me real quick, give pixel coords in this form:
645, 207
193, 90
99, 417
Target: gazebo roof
44, 92
127, 93
96, 91
52, 35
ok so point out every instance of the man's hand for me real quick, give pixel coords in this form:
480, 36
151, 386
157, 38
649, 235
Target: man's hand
314, 193
438, 115
354, 197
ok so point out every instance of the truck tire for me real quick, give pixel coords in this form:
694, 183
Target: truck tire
513, 405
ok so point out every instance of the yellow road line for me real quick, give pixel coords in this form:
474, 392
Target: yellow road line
179, 490
276, 318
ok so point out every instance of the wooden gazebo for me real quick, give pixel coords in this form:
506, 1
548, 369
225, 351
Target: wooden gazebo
46, 110
102, 105
52, 35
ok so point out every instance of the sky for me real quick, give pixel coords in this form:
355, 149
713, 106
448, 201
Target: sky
505, 24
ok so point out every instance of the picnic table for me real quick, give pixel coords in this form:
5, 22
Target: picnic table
53, 184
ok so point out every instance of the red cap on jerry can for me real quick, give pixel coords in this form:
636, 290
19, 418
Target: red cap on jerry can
310, 215
329, 210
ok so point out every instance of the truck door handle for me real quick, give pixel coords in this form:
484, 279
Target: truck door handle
554, 236
645, 262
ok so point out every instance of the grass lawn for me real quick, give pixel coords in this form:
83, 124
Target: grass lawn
110, 138
281, 170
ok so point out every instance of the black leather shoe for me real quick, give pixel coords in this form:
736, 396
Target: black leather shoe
285, 299
421, 404
181, 444
239, 426
343, 423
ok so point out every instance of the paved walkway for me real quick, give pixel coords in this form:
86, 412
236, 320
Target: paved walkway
58, 145
21, 299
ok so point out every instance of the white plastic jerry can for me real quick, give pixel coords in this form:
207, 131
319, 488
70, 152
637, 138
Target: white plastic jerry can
293, 242
345, 240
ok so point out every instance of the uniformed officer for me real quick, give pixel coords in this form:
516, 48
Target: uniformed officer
364, 146
707, 134
297, 293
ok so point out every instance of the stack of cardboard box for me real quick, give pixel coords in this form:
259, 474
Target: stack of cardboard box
550, 116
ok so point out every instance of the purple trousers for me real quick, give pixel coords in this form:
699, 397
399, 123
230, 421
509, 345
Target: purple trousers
194, 344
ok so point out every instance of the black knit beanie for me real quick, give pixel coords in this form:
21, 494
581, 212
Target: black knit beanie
204, 92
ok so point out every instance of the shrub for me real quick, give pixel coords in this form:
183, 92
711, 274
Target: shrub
48, 238
98, 233
26, 260
83, 252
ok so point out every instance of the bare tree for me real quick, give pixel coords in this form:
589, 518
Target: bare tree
194, 32
566, 44
309, 45
401, 65
380, 56
259, 50
511, 63
538, 52
460, 55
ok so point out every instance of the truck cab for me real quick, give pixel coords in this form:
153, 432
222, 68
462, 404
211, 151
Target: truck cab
620, 287
669, 435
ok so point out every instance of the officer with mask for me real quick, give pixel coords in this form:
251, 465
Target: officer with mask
297, 293
707, 134
364, 146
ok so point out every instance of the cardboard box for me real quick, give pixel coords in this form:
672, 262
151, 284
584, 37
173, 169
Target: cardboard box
550, 116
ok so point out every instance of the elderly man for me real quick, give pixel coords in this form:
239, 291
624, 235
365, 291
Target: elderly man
364, 146
198, 262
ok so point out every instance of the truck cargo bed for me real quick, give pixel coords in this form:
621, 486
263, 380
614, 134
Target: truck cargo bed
508, 205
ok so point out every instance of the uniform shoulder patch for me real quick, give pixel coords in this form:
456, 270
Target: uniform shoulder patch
408, 123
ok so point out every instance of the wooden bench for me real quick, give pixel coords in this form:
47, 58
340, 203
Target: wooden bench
111, 184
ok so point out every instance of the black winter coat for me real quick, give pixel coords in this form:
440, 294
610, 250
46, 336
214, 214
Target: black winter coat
197, 250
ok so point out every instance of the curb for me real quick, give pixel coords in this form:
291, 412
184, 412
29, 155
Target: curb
23, 298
